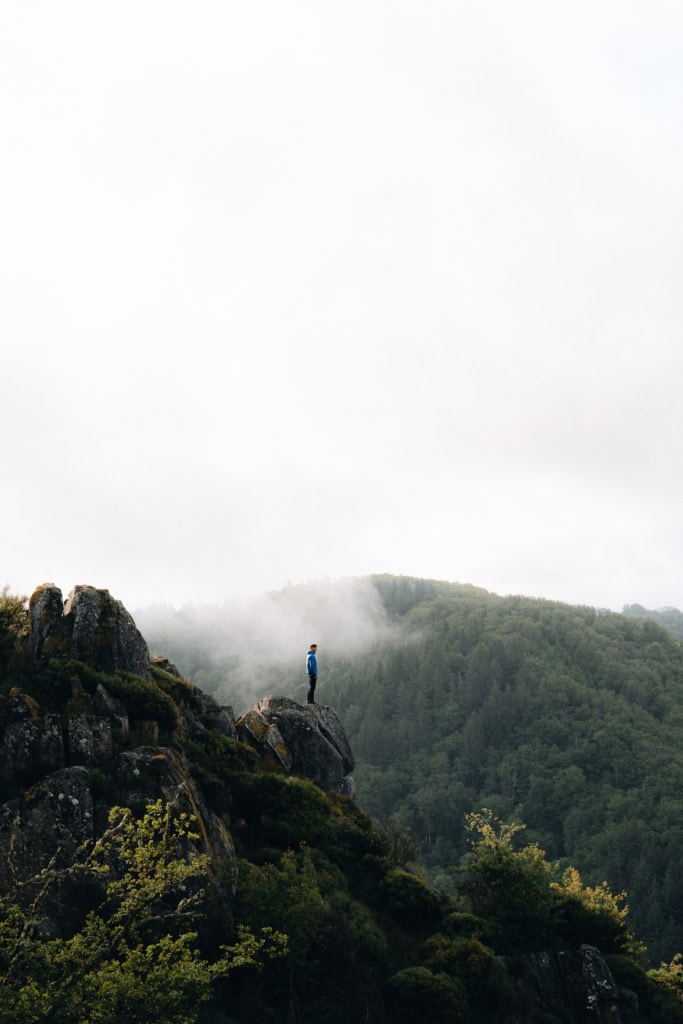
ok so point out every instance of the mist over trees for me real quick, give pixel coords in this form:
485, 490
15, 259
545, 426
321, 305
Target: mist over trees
669, 618
569, 719
240, 652
307, 910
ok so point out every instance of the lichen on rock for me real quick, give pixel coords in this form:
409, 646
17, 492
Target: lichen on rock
90, 626
306, 740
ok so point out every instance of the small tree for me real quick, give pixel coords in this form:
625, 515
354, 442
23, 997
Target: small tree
670, 976
594, 914
14, 626
135, 956
511, 888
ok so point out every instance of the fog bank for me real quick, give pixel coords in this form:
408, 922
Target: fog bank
242, 652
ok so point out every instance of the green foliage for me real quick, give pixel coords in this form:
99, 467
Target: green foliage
568, 718
416, 993
14, 630
511, 888
177, 688
215, 760
473, 965
285, 896
460, 924
657, 992
519, 892
276, 811
666, 989
334, 945
135, 956
670, 975
144, 699
594, 915
668, 618
409, 900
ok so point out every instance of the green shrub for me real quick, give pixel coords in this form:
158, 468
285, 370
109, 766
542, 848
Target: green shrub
144, 700
460, 924
176, 687
472, 963
406, 898
416, 993
511, 888
214, 760
14, 628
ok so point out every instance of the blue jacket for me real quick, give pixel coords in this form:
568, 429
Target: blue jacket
311, 664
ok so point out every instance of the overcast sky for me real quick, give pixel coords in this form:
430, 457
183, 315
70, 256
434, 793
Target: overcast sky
294, 291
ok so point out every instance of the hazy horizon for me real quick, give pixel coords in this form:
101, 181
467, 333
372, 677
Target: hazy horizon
300, 292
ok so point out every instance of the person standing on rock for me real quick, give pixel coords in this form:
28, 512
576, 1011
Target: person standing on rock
312, 669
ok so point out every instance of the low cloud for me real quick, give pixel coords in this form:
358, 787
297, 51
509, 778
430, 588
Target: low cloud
244, 651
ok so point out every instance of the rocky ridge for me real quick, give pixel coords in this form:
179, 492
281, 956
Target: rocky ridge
71, 754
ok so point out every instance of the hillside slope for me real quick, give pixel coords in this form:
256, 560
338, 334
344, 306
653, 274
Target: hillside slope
566, 718
129, 915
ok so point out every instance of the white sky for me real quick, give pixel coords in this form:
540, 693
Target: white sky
293, 291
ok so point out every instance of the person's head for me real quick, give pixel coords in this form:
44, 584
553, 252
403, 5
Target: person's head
314, 647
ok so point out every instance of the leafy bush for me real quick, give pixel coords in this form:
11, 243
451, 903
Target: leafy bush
416, 993
214, 761
135, 956
472, 963
511, 888
593, 915
176, 687
409, 900
14, 630
144, 700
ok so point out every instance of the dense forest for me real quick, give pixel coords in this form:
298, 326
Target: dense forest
569, 719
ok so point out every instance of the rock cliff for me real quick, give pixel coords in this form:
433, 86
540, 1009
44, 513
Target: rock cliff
114, 726
580, 979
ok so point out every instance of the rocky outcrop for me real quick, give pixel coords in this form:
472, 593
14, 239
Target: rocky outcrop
31, 743
88, 744
45, 826
141, 776
64, 764
581, 979
202, 713
306, 740
90, 626
61, 771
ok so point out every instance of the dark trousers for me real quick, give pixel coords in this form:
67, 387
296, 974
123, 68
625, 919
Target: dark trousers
312, 680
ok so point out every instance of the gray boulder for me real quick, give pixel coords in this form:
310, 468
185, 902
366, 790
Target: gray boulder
91, 626
46, 826
307, 740
31, 747
579, 978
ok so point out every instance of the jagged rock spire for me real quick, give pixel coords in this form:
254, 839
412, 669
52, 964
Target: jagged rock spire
90, 626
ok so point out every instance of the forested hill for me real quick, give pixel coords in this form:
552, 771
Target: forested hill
565, 718
568, 719
669, 618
